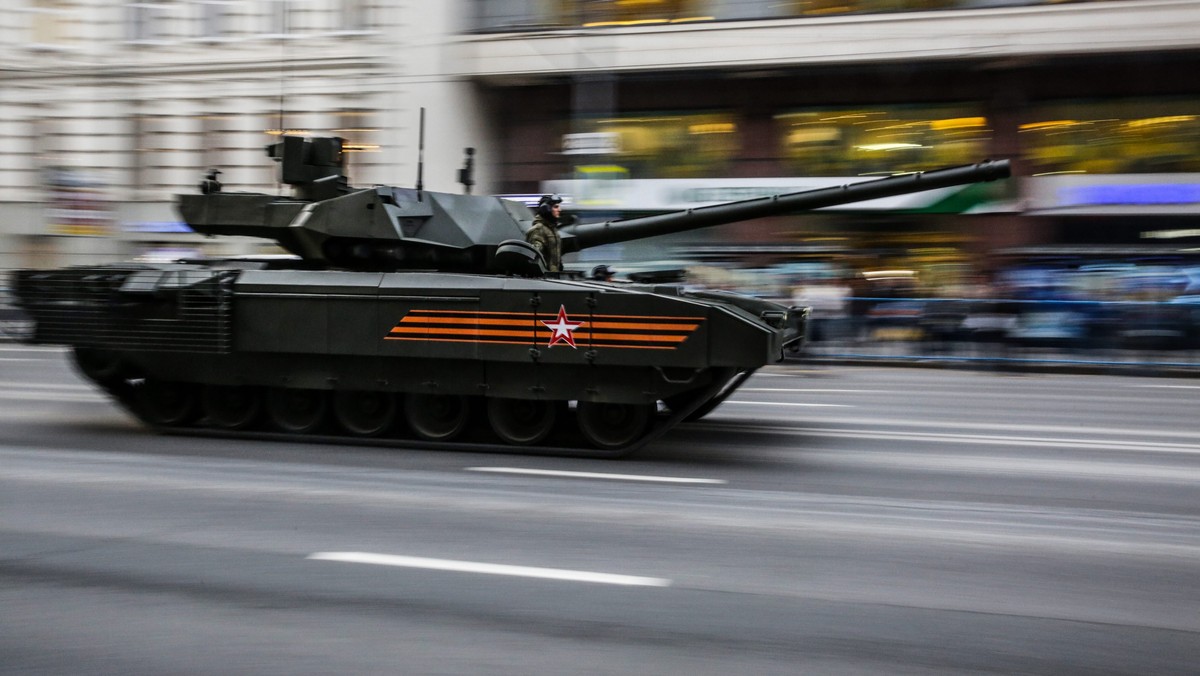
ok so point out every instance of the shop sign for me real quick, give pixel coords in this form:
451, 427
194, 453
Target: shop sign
674, 194
597, 143
76, 203
1100, 194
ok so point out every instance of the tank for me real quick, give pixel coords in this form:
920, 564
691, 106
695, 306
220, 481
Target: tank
419, 317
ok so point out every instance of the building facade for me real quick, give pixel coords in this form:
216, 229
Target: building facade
108, 109
1093, 101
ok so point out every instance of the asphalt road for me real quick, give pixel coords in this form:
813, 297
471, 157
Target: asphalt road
825, 521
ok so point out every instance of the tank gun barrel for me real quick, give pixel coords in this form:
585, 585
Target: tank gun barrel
594, 234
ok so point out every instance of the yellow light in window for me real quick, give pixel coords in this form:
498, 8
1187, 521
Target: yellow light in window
633, 22
814, 135
888, 274
957, 123
289, 132
887, 147
1151, 121
1052, 124
711, 128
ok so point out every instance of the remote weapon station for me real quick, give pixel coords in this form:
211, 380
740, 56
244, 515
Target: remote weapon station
419, 316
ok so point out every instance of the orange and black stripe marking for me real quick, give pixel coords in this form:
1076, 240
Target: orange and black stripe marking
529, 328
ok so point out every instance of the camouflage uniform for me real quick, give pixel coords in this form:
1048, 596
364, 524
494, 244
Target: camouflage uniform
545, 239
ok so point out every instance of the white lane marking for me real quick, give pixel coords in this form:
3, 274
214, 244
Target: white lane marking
1006, 466
63, 397
595, 475
1170, 387
13, 384
979, 439
1006, 427
18, 359
33, 348
802, 390
786, 403
489, 568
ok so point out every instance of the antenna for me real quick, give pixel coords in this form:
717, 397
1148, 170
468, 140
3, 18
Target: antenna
421, 156
283, 29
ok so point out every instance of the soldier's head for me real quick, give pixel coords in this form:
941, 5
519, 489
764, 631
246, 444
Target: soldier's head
549, 207
603, 273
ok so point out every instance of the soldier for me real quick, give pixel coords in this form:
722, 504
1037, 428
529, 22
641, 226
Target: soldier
603, 273
543, 235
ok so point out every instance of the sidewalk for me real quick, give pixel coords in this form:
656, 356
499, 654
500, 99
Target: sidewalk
1014, 358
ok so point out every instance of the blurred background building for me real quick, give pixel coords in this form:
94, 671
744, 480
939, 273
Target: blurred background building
628, 106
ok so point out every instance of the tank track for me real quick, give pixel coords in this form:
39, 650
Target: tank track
125, 393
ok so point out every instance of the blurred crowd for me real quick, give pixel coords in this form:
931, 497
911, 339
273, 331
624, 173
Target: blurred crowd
1093, 312
1072, 313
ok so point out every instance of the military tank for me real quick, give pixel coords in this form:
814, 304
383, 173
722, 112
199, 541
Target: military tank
420, 317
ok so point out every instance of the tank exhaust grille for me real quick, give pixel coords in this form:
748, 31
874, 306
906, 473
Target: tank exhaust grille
163, 310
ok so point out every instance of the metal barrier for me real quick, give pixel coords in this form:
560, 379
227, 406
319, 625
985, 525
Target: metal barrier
1031, 332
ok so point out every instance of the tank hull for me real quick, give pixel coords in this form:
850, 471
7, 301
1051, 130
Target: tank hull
410, 337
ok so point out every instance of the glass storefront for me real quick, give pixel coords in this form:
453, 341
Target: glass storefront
515, 15
1134, 136
659, 146
881, 139
1131, 136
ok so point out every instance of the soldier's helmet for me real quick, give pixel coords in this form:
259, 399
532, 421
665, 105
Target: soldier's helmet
603, 272
546, 203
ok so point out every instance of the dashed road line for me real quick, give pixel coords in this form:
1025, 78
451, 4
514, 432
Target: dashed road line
489, 568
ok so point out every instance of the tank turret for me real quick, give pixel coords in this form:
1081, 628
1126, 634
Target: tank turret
386, 228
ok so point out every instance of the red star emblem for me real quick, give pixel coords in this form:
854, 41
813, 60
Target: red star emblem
562, 328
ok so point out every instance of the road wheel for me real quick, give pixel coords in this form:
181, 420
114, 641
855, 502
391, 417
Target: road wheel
232, 407
364, 413
612, 426
295, 410
437, 417
168, 404
521, 421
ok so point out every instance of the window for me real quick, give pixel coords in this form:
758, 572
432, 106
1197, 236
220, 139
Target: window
625, 12
1121, 137
363, 158
50, 23
355, 15
212, 19
215, 132
658, 146
881, 139
279, 19
503, 15
145, 22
